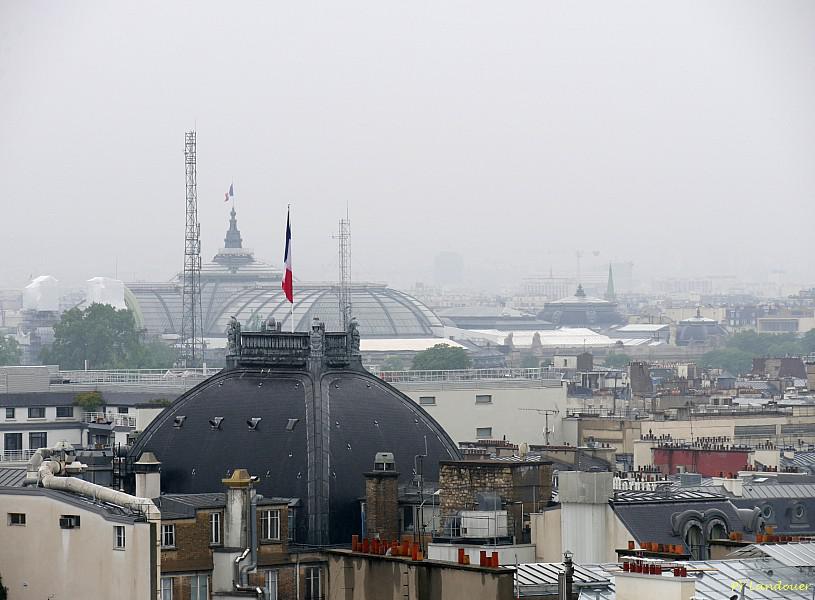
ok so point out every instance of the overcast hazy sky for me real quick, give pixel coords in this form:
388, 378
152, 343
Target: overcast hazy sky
677, 135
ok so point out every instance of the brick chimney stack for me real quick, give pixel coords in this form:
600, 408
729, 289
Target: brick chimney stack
382, 498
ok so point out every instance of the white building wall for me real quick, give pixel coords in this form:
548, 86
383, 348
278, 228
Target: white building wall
551, 538
458, 413
509, 555
41, 560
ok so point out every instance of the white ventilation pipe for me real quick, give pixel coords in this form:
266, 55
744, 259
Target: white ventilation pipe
47, 468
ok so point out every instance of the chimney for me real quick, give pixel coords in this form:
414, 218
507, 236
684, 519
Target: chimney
382, 498
566, 579
236, 558
148, 476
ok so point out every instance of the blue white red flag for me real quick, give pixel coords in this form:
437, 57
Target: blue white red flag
229, 194
288, 283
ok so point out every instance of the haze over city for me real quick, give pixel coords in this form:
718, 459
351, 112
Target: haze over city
513, 135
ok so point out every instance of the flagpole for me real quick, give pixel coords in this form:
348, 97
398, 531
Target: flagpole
288, 218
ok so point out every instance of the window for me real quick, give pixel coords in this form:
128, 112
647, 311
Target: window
65, 411
695, 542
292, 523
168, 536
9, 413
16, 519
123, 410
199, 587
36, 412
13, 442
270, 524
270, 588
215, 528
407, 518
483, 432
483, 399
37, 439
69, 521
427, 400
119, 537
166, 588
313, 584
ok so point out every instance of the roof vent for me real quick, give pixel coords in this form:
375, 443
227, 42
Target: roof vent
253, 423
215, 422
383, 461
292, 424
178, 422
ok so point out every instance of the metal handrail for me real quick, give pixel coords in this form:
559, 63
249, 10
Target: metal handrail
16, 455
132, 376
496, 374
114, 418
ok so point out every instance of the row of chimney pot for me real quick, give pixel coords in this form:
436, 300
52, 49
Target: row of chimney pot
379, 547
484, 560
655, 547
651, 568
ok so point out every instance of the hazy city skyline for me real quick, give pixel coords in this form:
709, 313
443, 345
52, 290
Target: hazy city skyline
677, 136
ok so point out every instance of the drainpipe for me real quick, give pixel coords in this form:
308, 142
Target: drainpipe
241, 573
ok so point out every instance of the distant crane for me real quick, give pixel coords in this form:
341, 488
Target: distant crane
545, 412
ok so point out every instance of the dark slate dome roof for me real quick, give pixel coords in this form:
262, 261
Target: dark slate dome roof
322, 421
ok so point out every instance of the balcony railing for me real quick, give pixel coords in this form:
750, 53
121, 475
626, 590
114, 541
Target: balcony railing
110, 418
498, 374
16, 455
155, 377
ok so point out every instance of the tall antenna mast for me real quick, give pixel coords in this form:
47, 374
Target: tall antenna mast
344, 295
192, 335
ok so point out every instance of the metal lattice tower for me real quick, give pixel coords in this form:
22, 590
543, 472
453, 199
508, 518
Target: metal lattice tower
344, 237
192, 335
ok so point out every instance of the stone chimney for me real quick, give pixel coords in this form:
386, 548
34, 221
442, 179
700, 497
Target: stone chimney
382, 498
148, 476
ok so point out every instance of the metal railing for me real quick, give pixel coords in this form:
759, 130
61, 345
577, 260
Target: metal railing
498, 374
168, 377
110, 418
16, 455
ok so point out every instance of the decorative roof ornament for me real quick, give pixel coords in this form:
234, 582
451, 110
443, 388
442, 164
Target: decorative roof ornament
233, 235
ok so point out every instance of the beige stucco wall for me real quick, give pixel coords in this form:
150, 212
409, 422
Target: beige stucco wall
459, 415
633, 586
41, 560
145, 416
361, 577
547, 535
545, 530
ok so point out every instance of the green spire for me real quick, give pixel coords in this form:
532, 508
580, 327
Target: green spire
610, 295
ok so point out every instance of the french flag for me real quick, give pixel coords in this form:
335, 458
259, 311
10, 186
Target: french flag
229, 194
288, 284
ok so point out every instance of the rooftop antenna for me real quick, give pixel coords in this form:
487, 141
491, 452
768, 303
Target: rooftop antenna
545, 412
344, 295
192, 335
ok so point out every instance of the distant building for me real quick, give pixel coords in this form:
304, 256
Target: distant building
235, 283
582, 311
698, 330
